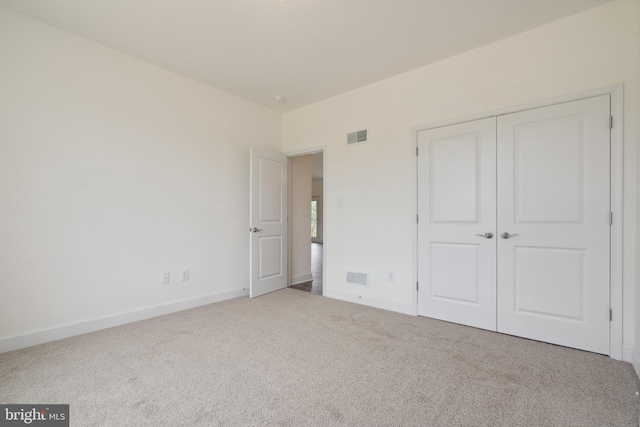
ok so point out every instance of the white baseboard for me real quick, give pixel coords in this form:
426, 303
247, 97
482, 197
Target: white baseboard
301, 279
66, 331
371, 302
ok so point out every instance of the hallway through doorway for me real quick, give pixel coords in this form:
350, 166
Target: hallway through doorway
314, 286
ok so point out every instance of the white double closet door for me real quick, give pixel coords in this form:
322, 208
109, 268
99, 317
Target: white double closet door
514, 223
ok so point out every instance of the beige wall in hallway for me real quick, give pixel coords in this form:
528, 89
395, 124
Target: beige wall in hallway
300, 219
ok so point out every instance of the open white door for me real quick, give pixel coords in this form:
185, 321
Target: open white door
268, 222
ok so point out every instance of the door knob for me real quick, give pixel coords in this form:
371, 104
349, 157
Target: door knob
488, 235
506, 235
256, 230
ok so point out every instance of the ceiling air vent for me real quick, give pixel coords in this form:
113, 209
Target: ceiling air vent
357, 137
357, 278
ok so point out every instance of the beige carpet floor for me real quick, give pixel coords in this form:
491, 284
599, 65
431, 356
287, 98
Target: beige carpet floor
292, 358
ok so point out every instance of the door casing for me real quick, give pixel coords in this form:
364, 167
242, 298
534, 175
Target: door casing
319, 149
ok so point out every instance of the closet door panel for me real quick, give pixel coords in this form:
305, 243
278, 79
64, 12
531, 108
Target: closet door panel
553, 203
457, 208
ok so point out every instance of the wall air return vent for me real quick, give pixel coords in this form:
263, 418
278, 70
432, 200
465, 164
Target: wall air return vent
357, 137
357, 278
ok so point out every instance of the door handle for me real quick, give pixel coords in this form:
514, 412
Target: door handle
506, 235
255, 230
488, 235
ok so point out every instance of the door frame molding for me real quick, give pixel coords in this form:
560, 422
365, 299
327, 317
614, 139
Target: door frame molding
313, 150
617, 143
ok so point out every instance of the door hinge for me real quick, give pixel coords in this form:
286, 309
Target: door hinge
611, 314
417, 219
416, 151
610, 122
417, 286
610, 218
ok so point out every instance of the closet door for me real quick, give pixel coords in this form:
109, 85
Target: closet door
553, 224
457, 219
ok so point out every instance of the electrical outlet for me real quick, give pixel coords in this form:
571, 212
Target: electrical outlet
165, 277
391, 276
184, 274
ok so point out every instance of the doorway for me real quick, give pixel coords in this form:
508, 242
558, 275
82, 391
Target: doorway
306, 225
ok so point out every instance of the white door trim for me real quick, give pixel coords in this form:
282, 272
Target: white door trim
617, 94
313, 150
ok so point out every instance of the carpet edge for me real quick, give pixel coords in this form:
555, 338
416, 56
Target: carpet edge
91, 325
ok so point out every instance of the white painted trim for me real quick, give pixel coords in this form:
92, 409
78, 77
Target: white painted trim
617, 142
617, 169
606, 90
289, 254
414, 185
301, 279
306, 151
66, 331
371, 302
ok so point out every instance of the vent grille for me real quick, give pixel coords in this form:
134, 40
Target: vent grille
357, 278
357, 137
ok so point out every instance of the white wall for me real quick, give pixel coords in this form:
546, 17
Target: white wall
316, 192
374, 230
300, 219
111, 172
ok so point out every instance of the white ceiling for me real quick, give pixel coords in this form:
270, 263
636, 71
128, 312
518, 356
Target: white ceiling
304, 50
